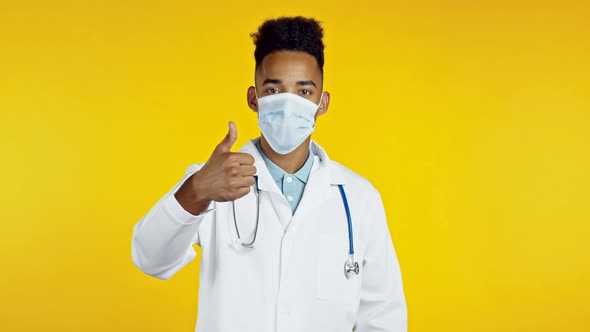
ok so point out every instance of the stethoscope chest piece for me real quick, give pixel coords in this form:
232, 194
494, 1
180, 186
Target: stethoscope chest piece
350, 267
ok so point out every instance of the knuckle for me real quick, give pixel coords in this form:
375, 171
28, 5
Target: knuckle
232, 158
229, 171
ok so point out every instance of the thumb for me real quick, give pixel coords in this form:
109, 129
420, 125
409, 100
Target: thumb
229, 139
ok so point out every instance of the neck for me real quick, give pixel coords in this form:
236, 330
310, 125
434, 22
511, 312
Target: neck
290, 162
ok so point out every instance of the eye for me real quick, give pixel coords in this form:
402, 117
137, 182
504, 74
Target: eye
272, 90
306, 92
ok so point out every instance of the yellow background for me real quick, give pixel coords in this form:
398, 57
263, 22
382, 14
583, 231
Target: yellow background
472, 118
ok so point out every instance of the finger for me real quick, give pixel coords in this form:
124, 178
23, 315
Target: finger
249, 181
243, 182
240, 192
228, 141
244, 158
246, 170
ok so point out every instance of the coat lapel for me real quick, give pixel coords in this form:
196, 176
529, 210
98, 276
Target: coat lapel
320, 185
269, 190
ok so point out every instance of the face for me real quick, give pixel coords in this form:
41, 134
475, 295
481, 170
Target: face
289, 71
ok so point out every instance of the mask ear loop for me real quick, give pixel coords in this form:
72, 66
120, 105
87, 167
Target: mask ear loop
257, 101
320, 103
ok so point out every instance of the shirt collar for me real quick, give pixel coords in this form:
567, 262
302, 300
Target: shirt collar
265, 180
278, 173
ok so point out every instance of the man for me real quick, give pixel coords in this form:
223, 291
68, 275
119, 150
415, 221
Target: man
272, 218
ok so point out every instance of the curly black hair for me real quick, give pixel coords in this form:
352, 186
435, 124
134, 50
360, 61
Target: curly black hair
296, 33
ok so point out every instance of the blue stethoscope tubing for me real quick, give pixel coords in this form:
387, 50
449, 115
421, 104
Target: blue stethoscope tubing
350, 266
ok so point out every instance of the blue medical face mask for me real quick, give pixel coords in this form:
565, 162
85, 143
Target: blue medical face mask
286, 120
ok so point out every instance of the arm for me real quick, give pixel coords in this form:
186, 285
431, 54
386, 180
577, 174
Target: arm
383, 306
162, 239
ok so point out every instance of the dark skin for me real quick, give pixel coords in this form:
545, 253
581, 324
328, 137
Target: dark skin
295, 72
228, 175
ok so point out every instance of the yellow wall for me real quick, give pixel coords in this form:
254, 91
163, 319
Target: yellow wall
471, 117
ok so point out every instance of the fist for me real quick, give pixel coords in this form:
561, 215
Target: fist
226, 175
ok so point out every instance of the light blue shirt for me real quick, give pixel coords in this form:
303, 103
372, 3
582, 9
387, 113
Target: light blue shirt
291, 185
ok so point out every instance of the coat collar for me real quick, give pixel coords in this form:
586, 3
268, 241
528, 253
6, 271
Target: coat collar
265, 180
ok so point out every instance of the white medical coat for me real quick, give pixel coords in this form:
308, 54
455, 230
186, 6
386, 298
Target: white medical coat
293, 279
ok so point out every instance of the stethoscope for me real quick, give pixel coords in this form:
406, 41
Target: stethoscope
350, 265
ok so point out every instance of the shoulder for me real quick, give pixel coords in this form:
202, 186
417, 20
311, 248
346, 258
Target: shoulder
353, 181
364, 199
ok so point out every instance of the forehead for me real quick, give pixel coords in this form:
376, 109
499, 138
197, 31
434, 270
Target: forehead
289, 65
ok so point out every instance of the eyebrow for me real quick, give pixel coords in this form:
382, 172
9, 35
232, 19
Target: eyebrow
276, 81
309, 82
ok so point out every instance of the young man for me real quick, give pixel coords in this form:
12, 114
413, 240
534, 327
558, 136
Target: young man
291, 240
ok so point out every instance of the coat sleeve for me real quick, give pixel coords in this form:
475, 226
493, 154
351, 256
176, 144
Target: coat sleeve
162, 239
382, 305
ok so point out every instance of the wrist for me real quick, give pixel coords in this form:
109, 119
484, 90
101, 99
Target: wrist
199, 191
191, 198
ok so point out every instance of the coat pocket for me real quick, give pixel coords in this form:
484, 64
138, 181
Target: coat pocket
332, 283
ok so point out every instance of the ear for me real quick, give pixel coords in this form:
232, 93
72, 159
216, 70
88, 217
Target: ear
251, 99
324, 104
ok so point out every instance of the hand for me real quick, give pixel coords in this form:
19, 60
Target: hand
227, 175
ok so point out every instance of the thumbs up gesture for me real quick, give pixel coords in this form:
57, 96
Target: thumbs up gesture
226, 176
